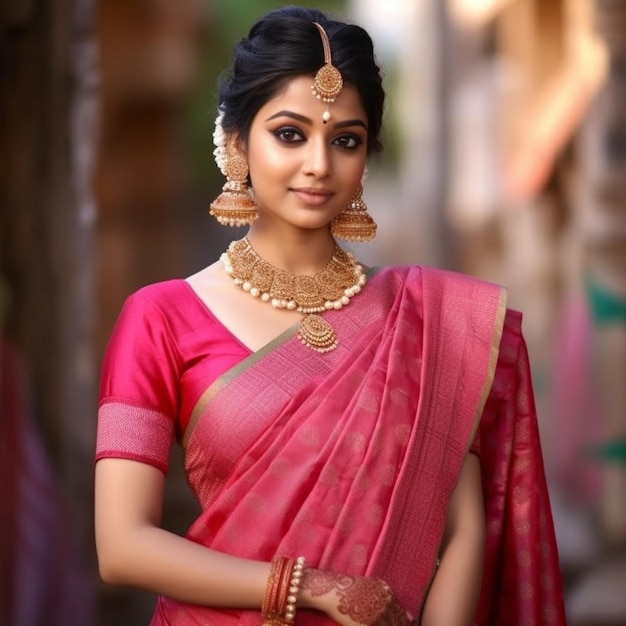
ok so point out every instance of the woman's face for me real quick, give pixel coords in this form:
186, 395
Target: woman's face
303, 171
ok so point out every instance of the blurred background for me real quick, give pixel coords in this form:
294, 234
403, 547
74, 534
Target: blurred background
505, 158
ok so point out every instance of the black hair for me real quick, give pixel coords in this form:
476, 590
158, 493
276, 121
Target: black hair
285, 43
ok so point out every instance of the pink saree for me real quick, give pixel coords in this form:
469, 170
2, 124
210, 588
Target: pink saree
350, 458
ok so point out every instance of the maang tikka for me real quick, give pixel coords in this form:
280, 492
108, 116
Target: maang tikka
328, 82
234, 206
354, 223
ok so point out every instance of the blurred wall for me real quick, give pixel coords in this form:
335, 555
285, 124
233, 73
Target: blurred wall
147, 223
47, 107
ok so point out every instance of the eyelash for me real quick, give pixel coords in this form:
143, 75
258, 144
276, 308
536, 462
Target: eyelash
280, 133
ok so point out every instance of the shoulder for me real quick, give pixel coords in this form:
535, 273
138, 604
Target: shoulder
450, 278
162, 300
158, 294
437, 279
145, 334
154, 308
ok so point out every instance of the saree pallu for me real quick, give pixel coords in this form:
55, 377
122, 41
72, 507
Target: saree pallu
350, 458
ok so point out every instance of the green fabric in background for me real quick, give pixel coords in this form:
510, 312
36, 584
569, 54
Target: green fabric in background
606, 307
613, 451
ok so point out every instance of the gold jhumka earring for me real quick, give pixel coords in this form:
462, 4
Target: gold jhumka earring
234, 206
354, 223
328, 81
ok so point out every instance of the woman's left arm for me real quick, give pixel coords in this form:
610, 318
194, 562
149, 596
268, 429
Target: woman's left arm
453, 595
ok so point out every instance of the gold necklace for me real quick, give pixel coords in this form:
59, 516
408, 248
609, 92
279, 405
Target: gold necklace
330, 288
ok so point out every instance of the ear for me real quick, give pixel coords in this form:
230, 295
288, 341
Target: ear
236, 142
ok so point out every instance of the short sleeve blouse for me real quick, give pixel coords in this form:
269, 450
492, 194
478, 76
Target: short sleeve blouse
166, 348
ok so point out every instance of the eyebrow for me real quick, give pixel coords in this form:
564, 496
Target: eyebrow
306, 120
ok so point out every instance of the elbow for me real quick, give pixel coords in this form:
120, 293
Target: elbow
109, 570
121, 556
113, 565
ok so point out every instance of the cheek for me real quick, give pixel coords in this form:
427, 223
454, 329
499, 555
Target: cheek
267, 163
356, 175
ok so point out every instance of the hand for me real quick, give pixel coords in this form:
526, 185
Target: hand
352, 600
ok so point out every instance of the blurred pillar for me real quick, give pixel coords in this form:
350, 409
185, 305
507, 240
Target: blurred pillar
46, 218
421, 231
145, 229
148, 63
603, 154
47, 105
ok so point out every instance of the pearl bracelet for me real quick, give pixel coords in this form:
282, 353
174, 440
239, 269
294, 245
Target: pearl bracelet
294, 588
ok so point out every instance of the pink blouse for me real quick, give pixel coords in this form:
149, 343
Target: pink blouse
166, 348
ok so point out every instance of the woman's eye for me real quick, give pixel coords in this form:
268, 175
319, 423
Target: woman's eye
288, 135
348, 142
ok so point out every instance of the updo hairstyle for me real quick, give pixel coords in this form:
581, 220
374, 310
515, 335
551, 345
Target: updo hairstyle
285, 43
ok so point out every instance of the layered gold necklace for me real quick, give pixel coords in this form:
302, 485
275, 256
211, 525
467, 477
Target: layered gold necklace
330, 288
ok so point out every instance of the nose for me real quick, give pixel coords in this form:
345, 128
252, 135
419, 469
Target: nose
317, 161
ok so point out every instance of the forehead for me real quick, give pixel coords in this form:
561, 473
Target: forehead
296, 96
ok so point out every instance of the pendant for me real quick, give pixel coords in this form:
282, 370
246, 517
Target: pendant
316, 333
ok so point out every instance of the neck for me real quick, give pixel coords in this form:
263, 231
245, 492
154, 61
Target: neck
296, 251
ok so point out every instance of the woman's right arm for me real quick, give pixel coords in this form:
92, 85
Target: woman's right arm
134, 550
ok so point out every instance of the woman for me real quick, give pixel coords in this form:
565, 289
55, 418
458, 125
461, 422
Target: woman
343, 436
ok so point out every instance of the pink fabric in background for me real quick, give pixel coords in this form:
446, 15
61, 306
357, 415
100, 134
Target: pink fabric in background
43, 578
576, 417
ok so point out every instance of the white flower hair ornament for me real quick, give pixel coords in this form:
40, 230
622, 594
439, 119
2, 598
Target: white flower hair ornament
219, 140
235, 206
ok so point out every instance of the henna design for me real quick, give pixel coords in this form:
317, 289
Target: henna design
395, 615
317, 582
367, 601
364, 600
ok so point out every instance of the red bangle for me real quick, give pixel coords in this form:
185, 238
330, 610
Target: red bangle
268, 600
281, 592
